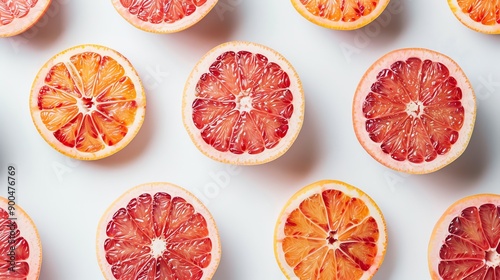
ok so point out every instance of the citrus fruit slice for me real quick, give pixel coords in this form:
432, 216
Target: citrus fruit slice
158, 231
17, 16
465, 242
88, 102
20, 245
243, 103
414, 110
330, 230
163, 16
479, 15
340, 15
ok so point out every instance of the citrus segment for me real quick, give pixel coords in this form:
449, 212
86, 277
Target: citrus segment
330, 230
20, 245
342, 15
243, 103
88, 102
163, 16
465, 241
158, 231
414, 110
479, 15
17, 16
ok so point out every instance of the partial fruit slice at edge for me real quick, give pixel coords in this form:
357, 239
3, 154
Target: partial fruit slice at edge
414, 110
465, 242
163, 16
341, 15
243, 103
19, 15
479, 15
88, 102
330, 230
158, 231
20, 245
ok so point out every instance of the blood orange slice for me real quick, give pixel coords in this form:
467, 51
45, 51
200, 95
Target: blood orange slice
158, 231
88, 102
341, 15
163, 16
330, 230
20, 246
243, 104
17, 16
414, 110
465, 242
478, 15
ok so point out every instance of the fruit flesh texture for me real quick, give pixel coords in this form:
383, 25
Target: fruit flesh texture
162, 11
330, 236
334, 10
471, 250
10, 10
182, 233
243, 104
486, 12
414, 110
21, 252
88, 103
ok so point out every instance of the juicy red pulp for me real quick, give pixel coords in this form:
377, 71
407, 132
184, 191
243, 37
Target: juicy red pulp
159, 11
10, 10
20, 254
243, 103
414, 110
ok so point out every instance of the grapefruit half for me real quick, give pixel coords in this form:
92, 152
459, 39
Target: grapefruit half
414, 110
243, 104
479, 15
158, 231
17, 16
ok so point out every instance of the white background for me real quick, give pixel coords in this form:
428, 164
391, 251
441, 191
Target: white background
66, 198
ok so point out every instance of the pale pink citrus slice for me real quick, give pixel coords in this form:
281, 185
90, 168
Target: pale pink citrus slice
17, 16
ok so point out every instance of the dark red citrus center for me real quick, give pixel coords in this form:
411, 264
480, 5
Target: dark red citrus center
158, 237
486, 12
414, 110
160, 11
10, 10
472, 248
243, 104
347, 11
11, 236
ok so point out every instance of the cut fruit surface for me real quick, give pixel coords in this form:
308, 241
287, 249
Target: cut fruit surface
243, 104
465, 242
20, 245
414, 110
479, 15
88, 102
330, 230
158, 231
341, 15
17, 16
163, 16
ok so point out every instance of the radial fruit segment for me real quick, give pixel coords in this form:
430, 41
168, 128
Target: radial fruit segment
243, 104
342, 15
414, 110
163, 16
465, 243
17, 16
20, 246
330, 230
88, 102
479, 15
158, 231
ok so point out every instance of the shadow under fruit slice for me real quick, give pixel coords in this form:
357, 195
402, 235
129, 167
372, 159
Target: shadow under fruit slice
17, 16
465, 242
163, 16
414, 110
341, 15
330, 230
158, 231
20, 245
88, 102
479, 15
243, 103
